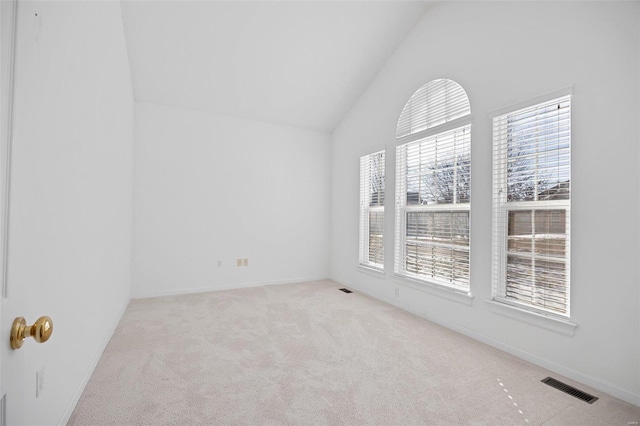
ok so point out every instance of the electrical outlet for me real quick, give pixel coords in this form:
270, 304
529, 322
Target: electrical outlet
245, 262
219, 263
39, 381
239, 262
397, 291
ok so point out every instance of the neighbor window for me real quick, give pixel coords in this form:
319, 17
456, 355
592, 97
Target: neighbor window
372, 210
433, 185
531, 206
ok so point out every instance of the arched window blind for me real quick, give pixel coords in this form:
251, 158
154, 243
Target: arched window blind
433, 186
437, 102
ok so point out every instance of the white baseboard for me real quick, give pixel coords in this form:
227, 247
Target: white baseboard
542, 362
94, 363
178, 292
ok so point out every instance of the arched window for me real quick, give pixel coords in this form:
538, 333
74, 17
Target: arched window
433, 185
437, 102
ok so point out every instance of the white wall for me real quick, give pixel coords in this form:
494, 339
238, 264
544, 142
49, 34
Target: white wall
210, 188
505, 53
70, 213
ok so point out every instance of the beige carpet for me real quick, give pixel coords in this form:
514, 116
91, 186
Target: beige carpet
308, 354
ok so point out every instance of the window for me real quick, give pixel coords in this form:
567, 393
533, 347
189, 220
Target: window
372, 210
531, 202
433, 186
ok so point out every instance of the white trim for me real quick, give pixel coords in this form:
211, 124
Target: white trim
595, 383
565, 91
71, 406
5, 178
440, 128
457, 207
539, 205
440, 290
373, 271
207, 289
557, 325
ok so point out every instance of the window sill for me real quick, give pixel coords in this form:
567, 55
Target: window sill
375, 272
557, 325
439, 290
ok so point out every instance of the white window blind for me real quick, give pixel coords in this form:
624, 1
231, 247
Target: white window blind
372, 169
437, 102
433, 186
531, 201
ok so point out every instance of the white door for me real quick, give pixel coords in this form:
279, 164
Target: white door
12, 373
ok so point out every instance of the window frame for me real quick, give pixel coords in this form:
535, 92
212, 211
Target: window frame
366, 209
502, 207
402, 208
440, 107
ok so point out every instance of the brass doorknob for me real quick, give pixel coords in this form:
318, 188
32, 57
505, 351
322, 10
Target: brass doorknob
41, 331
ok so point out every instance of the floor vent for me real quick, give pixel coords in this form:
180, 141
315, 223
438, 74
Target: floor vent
570, 390
345, 290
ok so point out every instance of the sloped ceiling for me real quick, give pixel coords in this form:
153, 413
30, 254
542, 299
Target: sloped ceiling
299, 63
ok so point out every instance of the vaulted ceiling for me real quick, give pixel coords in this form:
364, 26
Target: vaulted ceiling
299, 63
